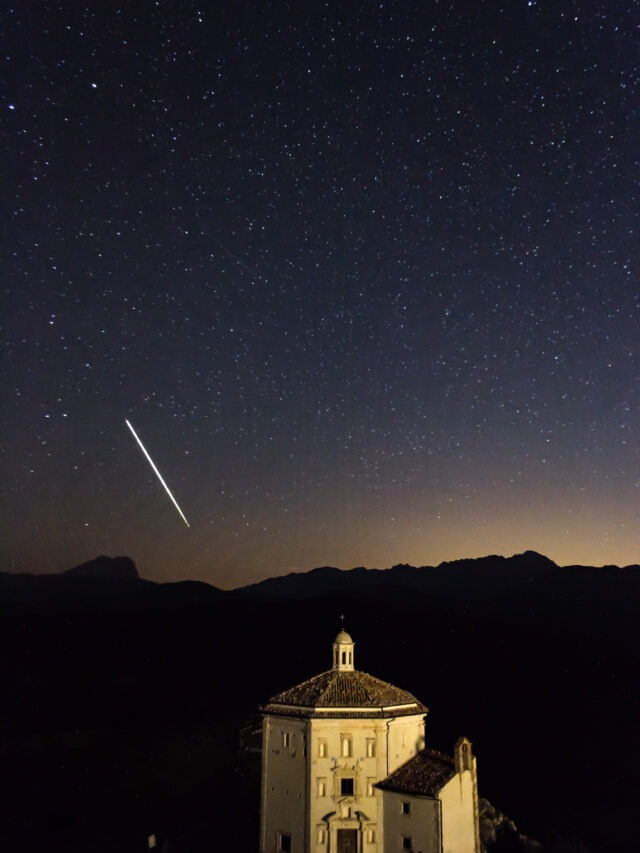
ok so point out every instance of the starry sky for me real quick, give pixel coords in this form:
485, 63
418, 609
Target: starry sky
362, 275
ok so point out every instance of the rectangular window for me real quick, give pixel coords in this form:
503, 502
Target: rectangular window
284, 842
323, 749
370, 784
371, 747
346, 787
286, 739
406, 808
322, 787
406, 842
322, 836
371, 836
346, 749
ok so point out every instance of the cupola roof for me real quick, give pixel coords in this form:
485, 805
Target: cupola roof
343, 637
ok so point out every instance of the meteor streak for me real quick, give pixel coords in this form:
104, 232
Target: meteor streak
158, 474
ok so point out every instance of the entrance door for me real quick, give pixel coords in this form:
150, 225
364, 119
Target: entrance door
347, 841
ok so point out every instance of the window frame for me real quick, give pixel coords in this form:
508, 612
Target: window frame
346, 746
344, 780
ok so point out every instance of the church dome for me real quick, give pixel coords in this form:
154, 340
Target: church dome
343, 637
356, 694
344, 692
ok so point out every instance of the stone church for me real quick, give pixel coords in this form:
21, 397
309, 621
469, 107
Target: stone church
345, 770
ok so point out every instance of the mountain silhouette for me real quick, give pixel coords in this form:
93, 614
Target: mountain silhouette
105, 568
105, 582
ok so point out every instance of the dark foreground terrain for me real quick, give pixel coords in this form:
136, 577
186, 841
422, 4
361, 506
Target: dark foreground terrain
131, 704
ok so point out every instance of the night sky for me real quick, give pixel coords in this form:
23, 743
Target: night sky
363, 277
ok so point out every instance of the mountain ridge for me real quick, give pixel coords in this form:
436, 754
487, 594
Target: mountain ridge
493, 579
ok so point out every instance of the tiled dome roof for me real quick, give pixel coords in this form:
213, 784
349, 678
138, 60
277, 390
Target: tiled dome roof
365, 694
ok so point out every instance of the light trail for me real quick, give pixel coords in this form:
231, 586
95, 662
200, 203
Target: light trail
158, 474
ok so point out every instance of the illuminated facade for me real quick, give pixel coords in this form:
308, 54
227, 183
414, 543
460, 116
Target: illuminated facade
345, 770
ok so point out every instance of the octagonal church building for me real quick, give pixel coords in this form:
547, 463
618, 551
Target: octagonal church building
345, 770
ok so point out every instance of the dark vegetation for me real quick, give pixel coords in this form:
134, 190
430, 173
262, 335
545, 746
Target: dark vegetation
126, 698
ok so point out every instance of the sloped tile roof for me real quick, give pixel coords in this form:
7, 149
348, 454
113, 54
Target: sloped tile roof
426, 774
346, 689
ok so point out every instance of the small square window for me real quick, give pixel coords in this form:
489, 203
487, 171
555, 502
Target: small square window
406, 808
406, 842
284, 842
346, 787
